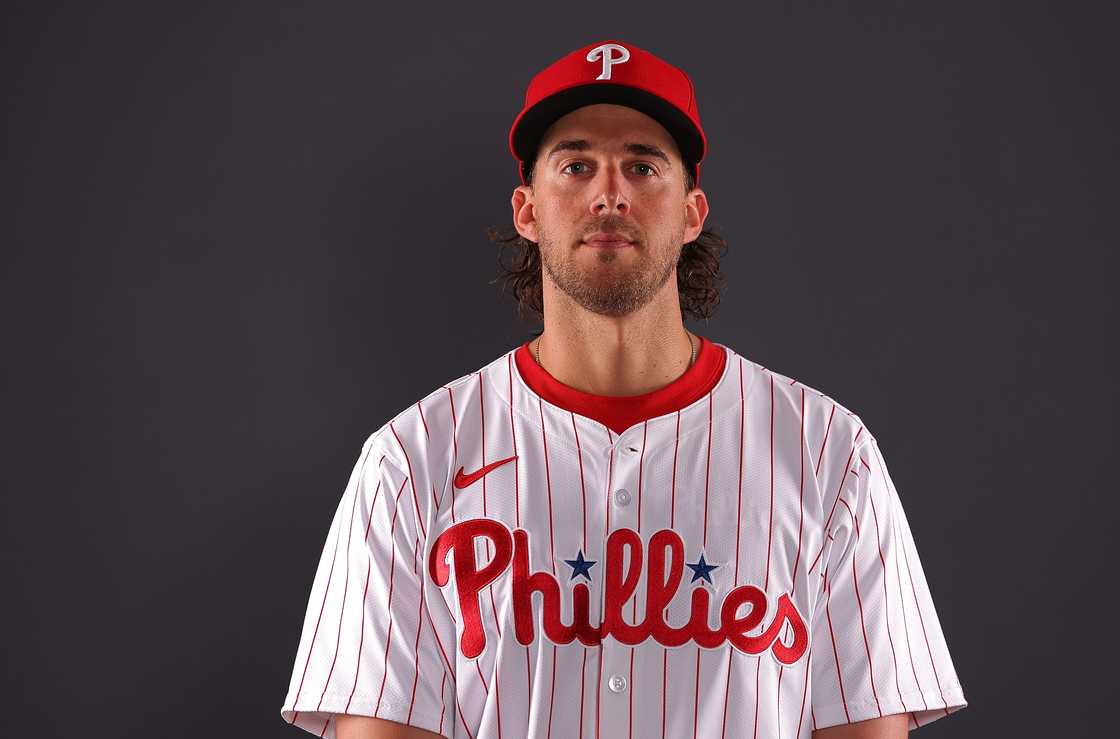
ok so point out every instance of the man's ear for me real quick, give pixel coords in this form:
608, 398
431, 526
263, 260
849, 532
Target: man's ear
695, 213
524, 218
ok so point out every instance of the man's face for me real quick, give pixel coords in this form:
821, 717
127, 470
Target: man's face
609, 169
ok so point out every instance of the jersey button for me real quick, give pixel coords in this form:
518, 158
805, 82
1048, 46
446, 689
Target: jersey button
622, 497
617, 683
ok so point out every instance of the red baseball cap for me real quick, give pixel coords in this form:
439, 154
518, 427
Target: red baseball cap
616, 72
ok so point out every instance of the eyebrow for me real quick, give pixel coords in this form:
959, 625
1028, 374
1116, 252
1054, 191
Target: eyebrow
647, 150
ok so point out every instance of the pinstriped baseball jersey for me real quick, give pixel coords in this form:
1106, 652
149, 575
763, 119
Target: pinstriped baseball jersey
513, 559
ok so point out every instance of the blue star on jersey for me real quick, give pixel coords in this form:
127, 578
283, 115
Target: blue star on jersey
580, 566
701, 569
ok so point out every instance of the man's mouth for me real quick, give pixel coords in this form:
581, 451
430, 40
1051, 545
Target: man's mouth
608, 240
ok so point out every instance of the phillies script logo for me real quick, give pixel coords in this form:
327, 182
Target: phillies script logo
661, 586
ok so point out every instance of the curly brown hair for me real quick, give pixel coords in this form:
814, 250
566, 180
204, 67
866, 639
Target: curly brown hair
699, 279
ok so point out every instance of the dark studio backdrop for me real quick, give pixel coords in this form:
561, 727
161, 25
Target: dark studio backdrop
240, 237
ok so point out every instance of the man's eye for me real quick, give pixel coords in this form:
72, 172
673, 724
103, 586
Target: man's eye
651, 173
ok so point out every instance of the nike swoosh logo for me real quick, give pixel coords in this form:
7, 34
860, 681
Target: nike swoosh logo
462, 481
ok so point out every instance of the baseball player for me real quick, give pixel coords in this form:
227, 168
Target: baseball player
619, 528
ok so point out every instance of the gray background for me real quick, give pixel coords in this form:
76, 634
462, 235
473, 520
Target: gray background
241, 237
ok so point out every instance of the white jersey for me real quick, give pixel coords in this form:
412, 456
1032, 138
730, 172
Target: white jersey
499, 566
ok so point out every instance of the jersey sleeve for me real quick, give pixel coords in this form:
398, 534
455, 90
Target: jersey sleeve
877, 645
368, 645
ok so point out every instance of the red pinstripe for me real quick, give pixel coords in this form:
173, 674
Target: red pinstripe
738, 529
416, 649
361, 641
412, 483
365, 591
778, 702
852, 516
673, 500
345, 589
726, 691
583, 503
664, 685
804, 692
455, 444
551, 547
707, 480
866, 644
582, 685
742, 446
757, 670
447, 666
482, 440
824, 441
641, 469
840, 487
886, 595
906, 620
427, 435
389, 604
769, 539
770, 531
552, 692
801, 494
797, 557
599, 679
442, 703
493, 605
828, 615
326, 591
517, 512
582, 484
516, 457
478, 666
529, 678
548, 481
696, 697
707, 471
862, 623
922, 621
672, 519
634, 615
630, 694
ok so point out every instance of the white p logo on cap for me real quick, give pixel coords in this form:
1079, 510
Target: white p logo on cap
604, 52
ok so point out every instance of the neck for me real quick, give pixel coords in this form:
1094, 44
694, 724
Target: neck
615, 356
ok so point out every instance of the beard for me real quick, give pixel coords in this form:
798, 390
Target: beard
610, 287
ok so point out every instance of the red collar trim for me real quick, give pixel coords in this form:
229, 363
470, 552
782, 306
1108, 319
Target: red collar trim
621, 412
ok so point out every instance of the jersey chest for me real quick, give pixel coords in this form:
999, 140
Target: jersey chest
655, 536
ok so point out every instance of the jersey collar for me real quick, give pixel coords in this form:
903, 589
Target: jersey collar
619, 413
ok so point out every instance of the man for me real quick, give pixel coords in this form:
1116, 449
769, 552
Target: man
619, 528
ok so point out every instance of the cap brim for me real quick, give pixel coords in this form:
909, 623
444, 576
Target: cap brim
531, 125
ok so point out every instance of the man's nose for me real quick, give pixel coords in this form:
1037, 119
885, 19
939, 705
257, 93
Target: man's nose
611, 198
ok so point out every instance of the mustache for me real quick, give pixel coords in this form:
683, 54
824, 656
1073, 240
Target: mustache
611, 227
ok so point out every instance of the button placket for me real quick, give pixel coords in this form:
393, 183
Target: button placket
615, 656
